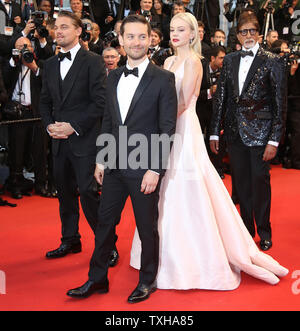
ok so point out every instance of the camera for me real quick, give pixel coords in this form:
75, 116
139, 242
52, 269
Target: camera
271, 4
24, 53
288, 4
237, 4
86, 31
38, 18
109, 37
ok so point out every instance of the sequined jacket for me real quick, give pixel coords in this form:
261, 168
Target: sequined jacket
256, 114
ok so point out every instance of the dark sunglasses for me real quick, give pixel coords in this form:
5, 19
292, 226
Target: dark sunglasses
244, 32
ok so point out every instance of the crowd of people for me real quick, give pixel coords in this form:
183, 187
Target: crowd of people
27, 142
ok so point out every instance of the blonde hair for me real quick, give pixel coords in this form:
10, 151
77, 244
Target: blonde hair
190, 19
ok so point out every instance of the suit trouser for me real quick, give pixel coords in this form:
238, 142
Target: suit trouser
115, 191
294, 125
252, 182
73, 173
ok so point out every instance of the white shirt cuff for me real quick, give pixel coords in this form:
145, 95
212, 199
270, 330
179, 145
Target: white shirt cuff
214, 138
273, 143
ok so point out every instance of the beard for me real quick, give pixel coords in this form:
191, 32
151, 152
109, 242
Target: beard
249, 43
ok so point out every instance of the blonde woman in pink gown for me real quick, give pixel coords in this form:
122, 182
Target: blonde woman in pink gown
204, 243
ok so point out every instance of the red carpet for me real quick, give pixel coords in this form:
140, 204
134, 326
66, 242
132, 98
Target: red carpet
34, 283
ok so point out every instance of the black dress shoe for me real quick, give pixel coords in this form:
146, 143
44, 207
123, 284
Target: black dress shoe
114, 258
265, 244
141, 293
63, 250
42, 191
88, 289
16, 194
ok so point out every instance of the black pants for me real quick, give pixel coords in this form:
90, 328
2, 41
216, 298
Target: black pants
252, 183
115, 191
71, 174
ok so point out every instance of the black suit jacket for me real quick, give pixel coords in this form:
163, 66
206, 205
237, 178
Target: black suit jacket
257, 114
15, 11
153, 110
3, 93
101, 10
78, 100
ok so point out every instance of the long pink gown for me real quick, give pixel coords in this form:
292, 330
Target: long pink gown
204, 243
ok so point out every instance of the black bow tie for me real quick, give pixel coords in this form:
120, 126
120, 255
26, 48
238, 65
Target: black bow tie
134, 71
152, 50
61, 56
246, 53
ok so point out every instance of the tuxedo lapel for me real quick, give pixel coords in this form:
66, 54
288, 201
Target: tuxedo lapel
114, 95
236, 66
70, 78
257, 62
2, 7
145, 81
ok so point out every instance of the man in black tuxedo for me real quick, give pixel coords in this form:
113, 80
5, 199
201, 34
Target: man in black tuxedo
71, 105
141, 99
211, 71
250, 98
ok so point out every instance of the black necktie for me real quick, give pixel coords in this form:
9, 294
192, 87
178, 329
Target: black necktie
245, 53
61, 56
134, 71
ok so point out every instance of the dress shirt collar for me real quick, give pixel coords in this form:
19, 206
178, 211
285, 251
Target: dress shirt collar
73, 51
142, 66
254, 49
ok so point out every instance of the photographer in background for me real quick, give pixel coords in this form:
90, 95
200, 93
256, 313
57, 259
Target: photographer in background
157, 54
284, 18
23, 83
96, 41
13, 16
11, 22
147, 10
211, 72
36, 31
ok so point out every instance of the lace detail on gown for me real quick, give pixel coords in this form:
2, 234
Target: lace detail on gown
204, 243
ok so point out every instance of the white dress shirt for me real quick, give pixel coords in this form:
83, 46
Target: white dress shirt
127, 87
66, 64
245, 65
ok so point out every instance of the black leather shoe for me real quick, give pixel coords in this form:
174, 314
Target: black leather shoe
114, 258
88, 289
63, 250
42, 191
141, 293
265, 244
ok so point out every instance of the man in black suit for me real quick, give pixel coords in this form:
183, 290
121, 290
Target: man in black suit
23, 84
141, 100
211, 71
71, 105
208, 11
13, 13
250, 98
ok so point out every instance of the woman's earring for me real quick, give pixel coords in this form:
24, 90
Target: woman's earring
191, 41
